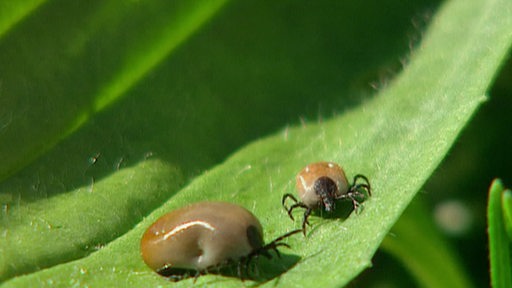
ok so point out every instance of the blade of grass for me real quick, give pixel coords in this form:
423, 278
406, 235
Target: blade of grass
499, 244
65, 46
506, 206
12, 12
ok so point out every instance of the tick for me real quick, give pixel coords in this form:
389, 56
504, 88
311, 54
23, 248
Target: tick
205, 236
319, 185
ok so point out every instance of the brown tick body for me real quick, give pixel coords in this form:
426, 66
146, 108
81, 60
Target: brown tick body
319, 185
204, 236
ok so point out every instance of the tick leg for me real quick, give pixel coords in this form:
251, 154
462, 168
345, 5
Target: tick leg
352, 197
367, 186
305, 219
273, 245
276, 241
299, 204
356, 205
286, 196
354, 194
354, 190
246, 269
176, 278
198, 273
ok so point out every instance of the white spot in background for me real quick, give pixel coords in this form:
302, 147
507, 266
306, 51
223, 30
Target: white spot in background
453, 217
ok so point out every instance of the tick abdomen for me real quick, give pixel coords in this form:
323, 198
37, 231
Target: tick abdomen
200, 236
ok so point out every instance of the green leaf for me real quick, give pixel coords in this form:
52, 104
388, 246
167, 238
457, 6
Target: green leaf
499, 243
167, 114
397, 138
56, 222
29, 55
12, 12
39, 81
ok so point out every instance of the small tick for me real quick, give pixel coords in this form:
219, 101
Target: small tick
205, 236
320, 184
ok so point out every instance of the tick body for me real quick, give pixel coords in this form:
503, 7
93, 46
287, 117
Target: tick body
203, 236
319, 185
